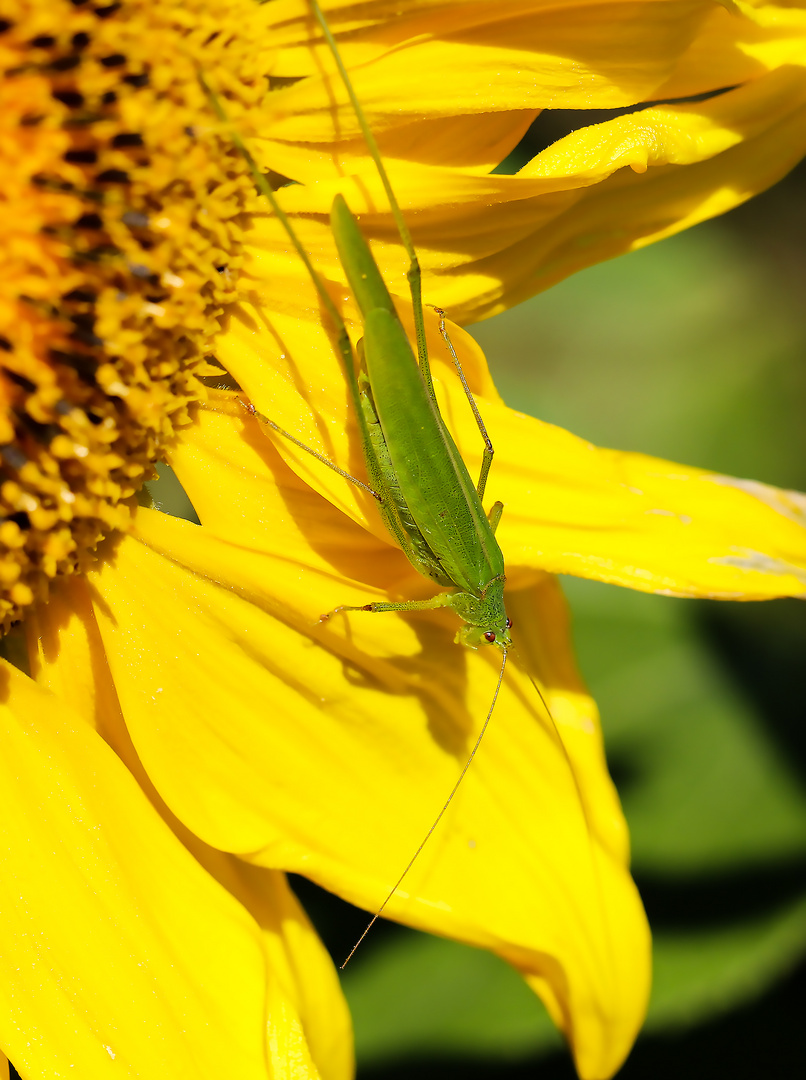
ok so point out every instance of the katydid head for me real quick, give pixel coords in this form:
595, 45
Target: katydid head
475, 637
484, 618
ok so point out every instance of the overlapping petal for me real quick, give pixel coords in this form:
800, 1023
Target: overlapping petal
184, 979
487, 242
328, 752
253, 739
569, 507
739, 43
381, 711
469, 57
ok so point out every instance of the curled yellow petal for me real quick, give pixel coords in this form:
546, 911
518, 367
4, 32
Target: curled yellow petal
488, 241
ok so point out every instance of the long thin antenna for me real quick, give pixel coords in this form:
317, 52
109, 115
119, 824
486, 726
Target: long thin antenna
437, 819
533, 681
580, 798
413, 273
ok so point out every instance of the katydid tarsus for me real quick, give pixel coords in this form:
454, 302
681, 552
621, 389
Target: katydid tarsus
415, 472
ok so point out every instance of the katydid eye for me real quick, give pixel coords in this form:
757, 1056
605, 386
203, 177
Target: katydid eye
489, 637
509, 624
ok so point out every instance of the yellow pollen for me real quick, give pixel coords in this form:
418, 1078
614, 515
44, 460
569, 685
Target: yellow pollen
121, 214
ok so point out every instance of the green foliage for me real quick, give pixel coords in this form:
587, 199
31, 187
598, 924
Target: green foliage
421, 996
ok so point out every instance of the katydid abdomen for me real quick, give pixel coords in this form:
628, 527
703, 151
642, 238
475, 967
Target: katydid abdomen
432, 476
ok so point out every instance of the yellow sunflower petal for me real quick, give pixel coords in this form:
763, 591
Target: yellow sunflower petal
125, 954
468, 58
738, 43
600, 191
310, 1026
335, 735
68, 658
442, 64
473, 144
687, 163
569, 507
634, 520
306, 985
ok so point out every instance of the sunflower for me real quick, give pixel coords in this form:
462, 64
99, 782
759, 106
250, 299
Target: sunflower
180, 728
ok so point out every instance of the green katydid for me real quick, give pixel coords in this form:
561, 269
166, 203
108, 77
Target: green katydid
425, 494
426, 497
414, 469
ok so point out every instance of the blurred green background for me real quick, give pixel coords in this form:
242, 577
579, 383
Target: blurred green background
692, 349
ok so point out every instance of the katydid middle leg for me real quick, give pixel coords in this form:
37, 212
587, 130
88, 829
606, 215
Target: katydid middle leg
487, 460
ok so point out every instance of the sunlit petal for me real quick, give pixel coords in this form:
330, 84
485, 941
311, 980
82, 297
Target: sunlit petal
287, 777
467, 58
179, 976
738, 43
191, 727
304, 987
603, 190
569, 507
